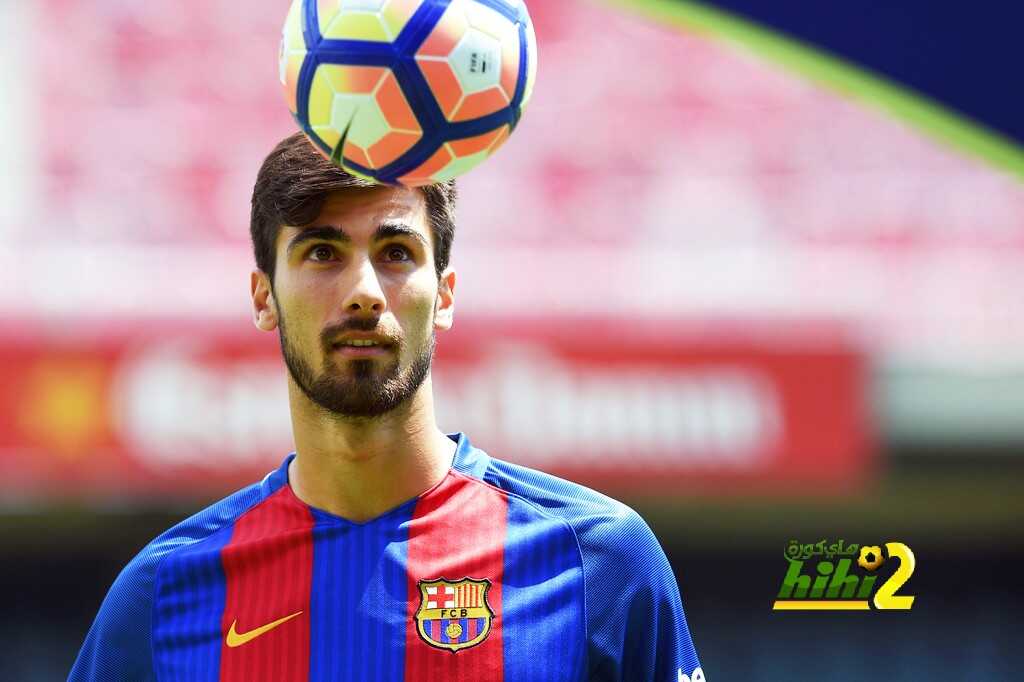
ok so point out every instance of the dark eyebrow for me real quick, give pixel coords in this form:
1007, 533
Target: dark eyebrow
389, 230
329, 233
325, 233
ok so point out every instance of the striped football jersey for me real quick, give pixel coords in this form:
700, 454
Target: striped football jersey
496, 573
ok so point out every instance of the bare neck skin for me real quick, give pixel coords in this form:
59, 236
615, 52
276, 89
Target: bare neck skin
360, 468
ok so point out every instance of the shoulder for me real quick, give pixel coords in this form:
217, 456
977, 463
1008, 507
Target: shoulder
606, 531
606, 528
634, 622
196, 529
118, 644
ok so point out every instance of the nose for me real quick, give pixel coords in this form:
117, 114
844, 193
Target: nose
364, 293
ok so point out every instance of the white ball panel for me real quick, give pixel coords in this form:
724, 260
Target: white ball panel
476, 61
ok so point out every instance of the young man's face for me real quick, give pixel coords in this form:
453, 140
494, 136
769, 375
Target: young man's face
362, 271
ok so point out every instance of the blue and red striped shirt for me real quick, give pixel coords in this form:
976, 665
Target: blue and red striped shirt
498, 572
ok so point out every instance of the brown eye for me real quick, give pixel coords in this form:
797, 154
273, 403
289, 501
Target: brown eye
321, 253
398, 253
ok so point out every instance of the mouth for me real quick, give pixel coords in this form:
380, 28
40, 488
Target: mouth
361, 348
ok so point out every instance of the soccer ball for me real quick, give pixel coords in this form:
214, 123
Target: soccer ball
408, 92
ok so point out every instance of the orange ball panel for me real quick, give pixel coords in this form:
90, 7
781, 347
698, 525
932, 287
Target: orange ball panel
503, 134
390, 147
481, 104
354, 80
479, 143
356, 155
446, 34
443, 83
422, 175
394, 105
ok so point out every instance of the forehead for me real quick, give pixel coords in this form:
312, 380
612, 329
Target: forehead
363, 209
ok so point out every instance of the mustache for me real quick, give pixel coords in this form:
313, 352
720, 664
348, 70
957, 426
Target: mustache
356, 324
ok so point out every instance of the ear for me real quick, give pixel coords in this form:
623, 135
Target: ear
444, 305
264, 309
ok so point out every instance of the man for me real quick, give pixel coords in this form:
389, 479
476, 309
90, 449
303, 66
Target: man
384, 549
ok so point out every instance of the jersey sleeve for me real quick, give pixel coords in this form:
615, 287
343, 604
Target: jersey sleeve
118, 646
636, 626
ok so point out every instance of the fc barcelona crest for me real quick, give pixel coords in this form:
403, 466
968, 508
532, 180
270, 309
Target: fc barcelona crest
454, 614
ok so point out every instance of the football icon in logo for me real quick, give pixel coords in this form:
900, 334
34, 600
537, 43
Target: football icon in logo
870, 557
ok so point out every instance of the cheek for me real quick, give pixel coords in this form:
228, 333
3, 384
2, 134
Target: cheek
313, 296
299, 316
416, 304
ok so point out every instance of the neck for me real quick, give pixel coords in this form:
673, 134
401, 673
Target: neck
359, 468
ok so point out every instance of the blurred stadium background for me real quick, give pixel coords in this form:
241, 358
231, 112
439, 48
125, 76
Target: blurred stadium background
757, 292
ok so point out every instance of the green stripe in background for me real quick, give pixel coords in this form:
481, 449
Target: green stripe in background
919, 111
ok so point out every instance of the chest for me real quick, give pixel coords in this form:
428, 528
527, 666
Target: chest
344, 602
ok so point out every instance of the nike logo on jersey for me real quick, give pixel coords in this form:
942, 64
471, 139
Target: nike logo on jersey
235, 638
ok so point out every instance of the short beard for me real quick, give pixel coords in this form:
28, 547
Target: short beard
365, 394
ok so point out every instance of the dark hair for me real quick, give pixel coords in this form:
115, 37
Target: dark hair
295, 181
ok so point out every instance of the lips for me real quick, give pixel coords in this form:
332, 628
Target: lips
361, 351
362, 344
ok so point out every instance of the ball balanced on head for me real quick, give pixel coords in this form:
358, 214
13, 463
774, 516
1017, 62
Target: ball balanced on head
408, 92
